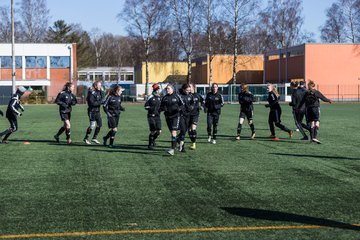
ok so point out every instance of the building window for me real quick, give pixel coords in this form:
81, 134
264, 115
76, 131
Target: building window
6, 62
129, 77
35, 62
60, 62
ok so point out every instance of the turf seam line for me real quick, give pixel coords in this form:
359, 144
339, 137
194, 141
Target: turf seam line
153, 231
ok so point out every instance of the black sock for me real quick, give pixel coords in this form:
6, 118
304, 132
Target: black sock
112, 137
252, 127
96, 133
173, 142
9, 130
239, 129
88, 131
68, 133
7, 136
61, 130
312, 132
156, 134
315, 132
108, 134
151, 139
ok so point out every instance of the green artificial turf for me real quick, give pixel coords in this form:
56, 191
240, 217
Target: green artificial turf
54, 188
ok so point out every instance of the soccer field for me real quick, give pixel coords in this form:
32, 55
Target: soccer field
248, 189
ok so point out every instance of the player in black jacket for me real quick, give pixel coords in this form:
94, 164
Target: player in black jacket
275, 112
65, 99
312, 104
152, 105
12, 112
94, 100
213, 103
172, 106
246, 99
187, 98
199, 103
297, 95
112, 108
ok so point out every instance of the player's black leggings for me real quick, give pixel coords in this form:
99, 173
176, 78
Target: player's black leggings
212, 123
274, 118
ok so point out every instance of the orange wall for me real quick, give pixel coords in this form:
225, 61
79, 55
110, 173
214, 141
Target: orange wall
5, 74
58, 79
295, 69
249, 70
333, 64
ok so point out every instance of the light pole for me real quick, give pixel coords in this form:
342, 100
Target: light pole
13, 48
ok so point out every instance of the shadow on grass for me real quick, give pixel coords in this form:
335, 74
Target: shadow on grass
136, 149
315, 156
288, 217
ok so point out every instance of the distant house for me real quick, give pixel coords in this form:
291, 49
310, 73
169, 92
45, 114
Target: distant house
335, 68
42, 66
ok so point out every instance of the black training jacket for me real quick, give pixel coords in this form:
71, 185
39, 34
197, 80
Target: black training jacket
152, 105
214, 102
273, 101
199, 102
112, 105
65, 100
172, 105
188, 103
296, 97
246, 100
94, 100
14, 106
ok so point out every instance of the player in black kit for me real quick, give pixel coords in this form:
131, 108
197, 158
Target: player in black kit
152, 105
275, 112
94, 100
172, 105
112, 108
12, 112
312, 104
213, 103
187, 98
246, 99
297, 95
65, 99
199, 104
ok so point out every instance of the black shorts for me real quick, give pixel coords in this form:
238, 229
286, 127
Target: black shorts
65, 116
95, 117
113, 121
184, 123
154, 123
313, 114
194, 119
275, 115
173, 123
248, 114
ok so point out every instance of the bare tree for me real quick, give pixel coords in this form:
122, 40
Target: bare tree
35, 18
145, 20
240, 17
333, 29
5, 25
97, 39
186, 13
351, 14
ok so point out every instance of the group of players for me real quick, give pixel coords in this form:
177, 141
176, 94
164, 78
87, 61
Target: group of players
181, 110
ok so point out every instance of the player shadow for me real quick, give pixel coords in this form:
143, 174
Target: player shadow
315, 156
32, 141
288, 217
133, 148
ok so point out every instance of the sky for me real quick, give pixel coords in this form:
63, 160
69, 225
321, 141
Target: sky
102, 14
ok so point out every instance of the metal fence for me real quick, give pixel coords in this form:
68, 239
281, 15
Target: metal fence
339, 93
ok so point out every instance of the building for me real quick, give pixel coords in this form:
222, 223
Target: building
42, 66
249, 69
335, 68
162, 72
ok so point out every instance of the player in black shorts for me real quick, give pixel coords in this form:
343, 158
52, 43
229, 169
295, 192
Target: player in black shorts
275, 112
152, 105
246, 99
94, 100
312, 104
213, 103
187, 98
172, 105
199, 104
65, 99
12, 112
112, 108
